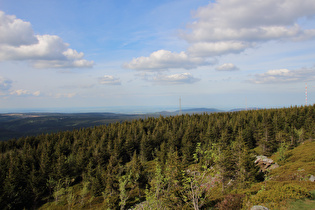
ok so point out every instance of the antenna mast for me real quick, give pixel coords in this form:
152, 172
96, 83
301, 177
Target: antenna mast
180, 106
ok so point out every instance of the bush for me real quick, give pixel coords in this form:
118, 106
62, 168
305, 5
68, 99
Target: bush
231, 201
277, 193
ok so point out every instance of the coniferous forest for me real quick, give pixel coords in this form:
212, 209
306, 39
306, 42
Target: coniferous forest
204, 161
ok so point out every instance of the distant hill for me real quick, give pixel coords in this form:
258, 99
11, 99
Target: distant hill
17, 125
189, 111
244, 109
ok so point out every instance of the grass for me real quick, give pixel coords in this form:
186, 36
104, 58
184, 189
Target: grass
299, 165
288, 186
306, 204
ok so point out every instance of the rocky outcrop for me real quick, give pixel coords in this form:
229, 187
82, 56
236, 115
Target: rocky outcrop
265, 163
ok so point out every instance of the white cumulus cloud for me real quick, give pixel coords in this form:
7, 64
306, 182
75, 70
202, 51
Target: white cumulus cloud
15, 32
206, 49
164, 59
109, 80
175, 79
18, 42
254, 20
227, 67
284, 76
232, 26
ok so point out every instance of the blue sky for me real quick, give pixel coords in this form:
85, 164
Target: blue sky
222, 54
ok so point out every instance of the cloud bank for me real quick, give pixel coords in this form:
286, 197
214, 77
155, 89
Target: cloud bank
164, 59
284, 76
232, 26
18, 42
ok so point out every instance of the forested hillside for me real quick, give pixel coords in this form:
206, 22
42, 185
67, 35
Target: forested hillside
178, 162
31, 124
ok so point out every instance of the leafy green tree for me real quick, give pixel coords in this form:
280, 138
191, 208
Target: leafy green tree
85, 190
282, 155
197, 178
70, 197
59, 190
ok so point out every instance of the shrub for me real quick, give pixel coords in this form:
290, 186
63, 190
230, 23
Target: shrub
277, 193
231, 201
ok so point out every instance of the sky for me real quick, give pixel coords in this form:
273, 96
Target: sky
223, 54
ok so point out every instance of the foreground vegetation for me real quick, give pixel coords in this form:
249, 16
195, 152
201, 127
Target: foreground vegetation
178, 162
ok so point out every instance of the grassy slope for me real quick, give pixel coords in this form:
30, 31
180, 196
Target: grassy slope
299, 166
300, 163
288, 186
306, 204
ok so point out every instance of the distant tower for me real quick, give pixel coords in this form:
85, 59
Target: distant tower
305, 94
180, 106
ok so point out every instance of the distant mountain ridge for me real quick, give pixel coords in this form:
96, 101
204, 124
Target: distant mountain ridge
189, 111
16, 125
244, 109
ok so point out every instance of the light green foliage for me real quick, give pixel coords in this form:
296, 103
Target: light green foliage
84, 191
154, 194
196, 187
124, 194
91, 200
197, 179
50, 184
276, 194
282, 153
205, 157
70, 197
300, 162
59, 190
300, 133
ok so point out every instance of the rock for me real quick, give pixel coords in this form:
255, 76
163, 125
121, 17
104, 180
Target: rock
312, 178
265, 163
274, 166
259, 208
